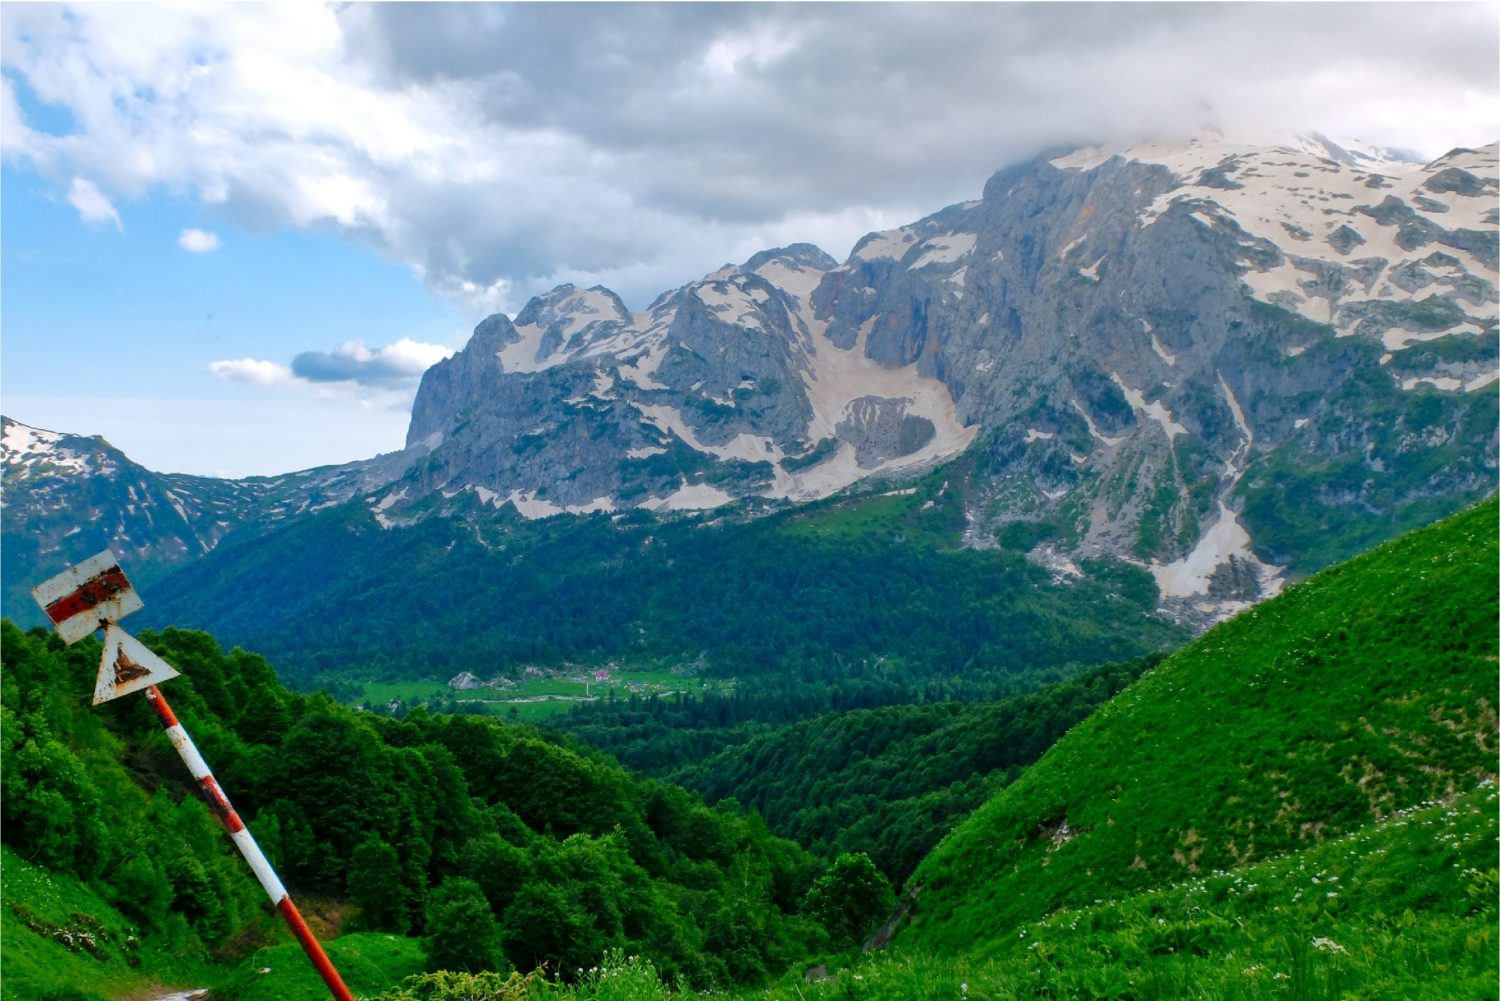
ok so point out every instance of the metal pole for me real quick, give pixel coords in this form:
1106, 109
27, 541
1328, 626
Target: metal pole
243, 840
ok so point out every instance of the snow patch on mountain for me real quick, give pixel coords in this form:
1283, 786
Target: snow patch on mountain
945, 249
1329, 227
1156, 411
891, 243
32, 449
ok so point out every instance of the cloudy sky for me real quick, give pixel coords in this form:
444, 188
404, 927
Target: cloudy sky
235, 235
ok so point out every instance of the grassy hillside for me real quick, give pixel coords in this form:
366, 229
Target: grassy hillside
1366, 691
1403, 909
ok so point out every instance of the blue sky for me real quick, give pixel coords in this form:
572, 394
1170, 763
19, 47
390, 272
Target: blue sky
234, 235
114, 329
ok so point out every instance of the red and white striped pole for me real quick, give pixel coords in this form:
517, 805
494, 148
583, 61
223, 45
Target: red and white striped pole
245, 842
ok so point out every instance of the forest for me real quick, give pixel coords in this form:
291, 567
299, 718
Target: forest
871, 589
885, 779
492, 841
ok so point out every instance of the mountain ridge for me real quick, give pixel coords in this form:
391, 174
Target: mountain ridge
1227, 364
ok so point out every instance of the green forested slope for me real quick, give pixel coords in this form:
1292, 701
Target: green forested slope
817, 595
891, 781
467, 830
1367, 690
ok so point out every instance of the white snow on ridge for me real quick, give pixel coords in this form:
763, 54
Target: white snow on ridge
645, 365
748, 447
1397, 338
20, 439
891, 243
1227, 538
1449, 384
1313, 200
798, 282
731, 302
532, 508
1161, 352
837, 377
828, 476
572, 312
26, 446
945, 249
690, 497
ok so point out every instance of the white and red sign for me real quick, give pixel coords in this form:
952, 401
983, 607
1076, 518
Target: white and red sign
86, 597
127, 666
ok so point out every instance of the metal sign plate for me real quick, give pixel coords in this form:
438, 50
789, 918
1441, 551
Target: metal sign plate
84, 597
127, 666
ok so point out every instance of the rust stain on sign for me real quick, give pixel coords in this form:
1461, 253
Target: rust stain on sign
91, 594
127, 666
127, 669
85, 597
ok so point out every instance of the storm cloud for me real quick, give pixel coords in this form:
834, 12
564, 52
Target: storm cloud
500, 150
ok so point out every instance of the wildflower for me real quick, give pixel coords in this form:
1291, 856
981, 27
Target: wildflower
1327, 945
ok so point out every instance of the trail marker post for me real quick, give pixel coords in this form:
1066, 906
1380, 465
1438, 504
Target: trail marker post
92, 596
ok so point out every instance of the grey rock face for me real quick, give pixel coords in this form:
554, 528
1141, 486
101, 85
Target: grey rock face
1128, 335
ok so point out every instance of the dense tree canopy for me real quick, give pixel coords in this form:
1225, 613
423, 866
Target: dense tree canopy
494, 841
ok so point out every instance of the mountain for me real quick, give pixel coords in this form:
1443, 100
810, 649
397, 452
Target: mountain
870, 591
1228, 364
1224, 362
67, 497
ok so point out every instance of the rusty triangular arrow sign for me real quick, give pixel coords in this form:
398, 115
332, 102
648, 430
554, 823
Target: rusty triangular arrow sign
127, 666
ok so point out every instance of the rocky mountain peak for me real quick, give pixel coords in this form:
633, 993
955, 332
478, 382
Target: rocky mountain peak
796, 255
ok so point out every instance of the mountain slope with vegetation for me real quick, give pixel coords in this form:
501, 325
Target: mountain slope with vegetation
877, 586
1367, 691
887, 781
491, 840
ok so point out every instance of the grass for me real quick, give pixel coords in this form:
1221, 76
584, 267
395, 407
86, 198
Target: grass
1405, 908
1365, 691
535, 698
927, 511
369, 962
57, 935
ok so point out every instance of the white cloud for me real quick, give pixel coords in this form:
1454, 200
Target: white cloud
252, 372
93, 207
382, 378
198, 241
398, 364
493, 149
